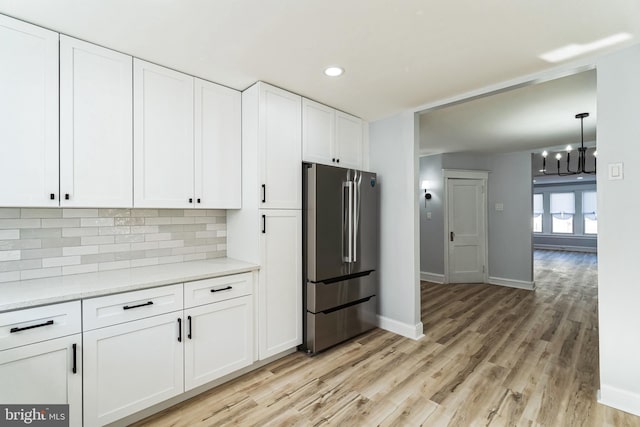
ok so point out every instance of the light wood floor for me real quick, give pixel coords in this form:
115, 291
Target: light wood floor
492, 356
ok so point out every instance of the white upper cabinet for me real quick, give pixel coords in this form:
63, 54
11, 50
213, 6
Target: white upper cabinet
330, 137
318, 130
348, 140
163, 137
279, 148
96, 143
28, 114
218, 146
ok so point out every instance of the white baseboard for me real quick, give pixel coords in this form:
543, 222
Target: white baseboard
511, 283
410, 331
567, 248
432, 277
619, 399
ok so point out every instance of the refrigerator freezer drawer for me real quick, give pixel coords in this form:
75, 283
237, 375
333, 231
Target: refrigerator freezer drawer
324, 296
327, 329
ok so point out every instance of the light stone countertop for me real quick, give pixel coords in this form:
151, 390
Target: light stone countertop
31, 293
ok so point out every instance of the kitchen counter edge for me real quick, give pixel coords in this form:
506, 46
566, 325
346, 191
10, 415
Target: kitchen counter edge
36, 292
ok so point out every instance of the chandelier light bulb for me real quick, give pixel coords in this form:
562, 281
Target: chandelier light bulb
595, 153
558, 156
568, 148
545, 154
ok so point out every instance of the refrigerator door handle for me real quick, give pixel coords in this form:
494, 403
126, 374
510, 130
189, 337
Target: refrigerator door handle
347, 221
356, 214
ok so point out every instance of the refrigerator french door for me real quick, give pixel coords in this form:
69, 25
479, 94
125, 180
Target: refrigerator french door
340, 251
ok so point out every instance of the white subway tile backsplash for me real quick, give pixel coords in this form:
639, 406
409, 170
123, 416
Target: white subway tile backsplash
40, 213
9, 234
120, 247
8, 224
60, 261
46, 242
96, 222
97, 240
40, 273
9, 276
116, 265
60, 222
79, 232
9, 255
80, 250
79, 213
78, 269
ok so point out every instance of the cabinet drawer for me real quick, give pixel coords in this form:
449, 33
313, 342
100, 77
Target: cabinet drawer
32, 325
218, 289
113, 309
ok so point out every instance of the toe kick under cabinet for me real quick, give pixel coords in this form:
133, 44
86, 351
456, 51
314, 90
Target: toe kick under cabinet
147, 346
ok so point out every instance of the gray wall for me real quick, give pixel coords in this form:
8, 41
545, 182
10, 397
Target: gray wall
510, 241
510, 184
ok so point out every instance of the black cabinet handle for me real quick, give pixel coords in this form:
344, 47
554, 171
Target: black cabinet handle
75, 358
198, 200
264, 193
190, 200
337, 160
222, 289
264, 224
179, 329
24, 328
129, 307
452, 235
52, 196
333, 160
189, 334
66, 196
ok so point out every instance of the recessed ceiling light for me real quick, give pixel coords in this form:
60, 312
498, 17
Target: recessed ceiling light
333, 71
575, 49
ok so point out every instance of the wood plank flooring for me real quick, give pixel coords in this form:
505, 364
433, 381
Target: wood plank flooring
492, 356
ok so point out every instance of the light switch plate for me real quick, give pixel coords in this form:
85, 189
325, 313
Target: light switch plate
499, 207
428, 215
616, 171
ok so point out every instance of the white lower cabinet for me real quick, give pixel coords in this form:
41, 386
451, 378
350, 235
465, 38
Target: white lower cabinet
131, 366
41, 357
219, 340
48, 372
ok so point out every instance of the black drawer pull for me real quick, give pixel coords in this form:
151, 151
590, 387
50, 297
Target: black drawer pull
264, 193
189, 334
179, 329
129, 307
24, 328
75, 359
222, 289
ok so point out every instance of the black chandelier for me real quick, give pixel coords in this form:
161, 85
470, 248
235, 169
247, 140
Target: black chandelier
582, 155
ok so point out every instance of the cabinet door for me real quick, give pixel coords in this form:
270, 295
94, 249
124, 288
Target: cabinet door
318, 133
280, 148
28, 114
163, 137
280, 287
131, 366
349, 140
218, 147
219, 340
96, 142
48, 372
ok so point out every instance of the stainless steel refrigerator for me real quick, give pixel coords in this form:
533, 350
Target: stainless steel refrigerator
340, 254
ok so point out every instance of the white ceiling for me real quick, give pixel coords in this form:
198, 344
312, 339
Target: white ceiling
398, 55
531, 117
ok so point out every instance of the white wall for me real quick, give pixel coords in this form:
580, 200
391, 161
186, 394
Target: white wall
393, 156
619, 234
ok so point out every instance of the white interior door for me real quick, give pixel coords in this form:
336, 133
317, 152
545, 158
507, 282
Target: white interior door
466, 210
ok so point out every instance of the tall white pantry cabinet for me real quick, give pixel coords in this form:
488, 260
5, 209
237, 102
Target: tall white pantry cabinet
268, 229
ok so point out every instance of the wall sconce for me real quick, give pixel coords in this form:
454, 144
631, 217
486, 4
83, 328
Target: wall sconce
427, 195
